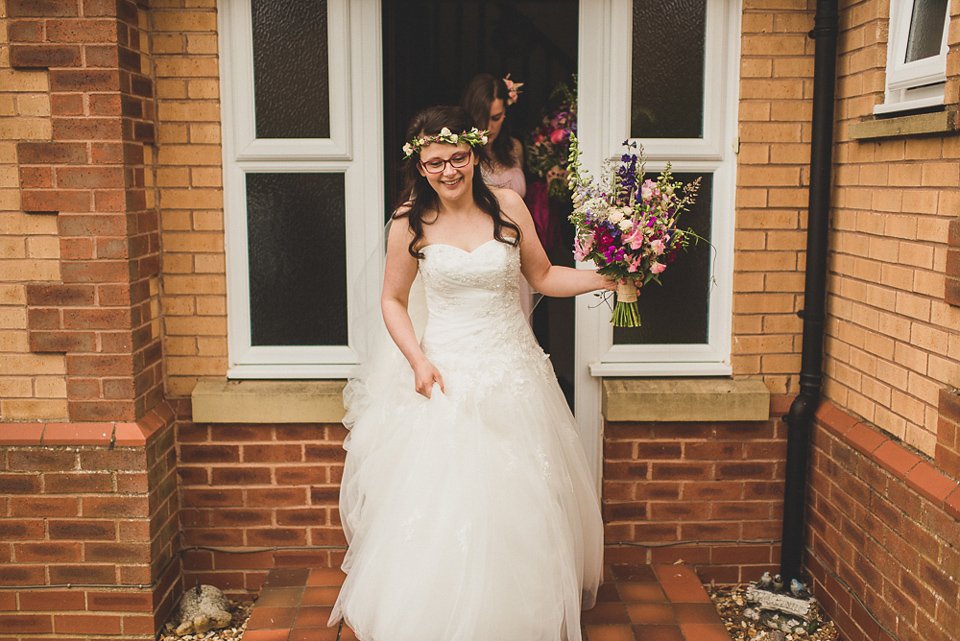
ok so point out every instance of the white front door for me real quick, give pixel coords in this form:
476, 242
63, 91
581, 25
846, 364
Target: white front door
689, 119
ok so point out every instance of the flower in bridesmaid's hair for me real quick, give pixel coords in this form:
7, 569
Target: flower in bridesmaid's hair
513, 90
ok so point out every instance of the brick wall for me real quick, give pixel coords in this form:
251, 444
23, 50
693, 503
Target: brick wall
272, 488
91, 174
32, 386
708, 493
191, 196
89, 534
776, 80
892, 342
882, 543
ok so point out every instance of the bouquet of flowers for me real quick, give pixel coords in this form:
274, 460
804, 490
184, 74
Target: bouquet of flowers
627, 224
548, 146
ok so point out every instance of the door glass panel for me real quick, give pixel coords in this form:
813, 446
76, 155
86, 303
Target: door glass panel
297, 259
668, 64
926, 29
677, 311
290, 69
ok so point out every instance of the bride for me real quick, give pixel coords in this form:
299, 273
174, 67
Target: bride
466, 497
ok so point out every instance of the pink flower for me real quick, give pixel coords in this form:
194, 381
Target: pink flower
634, 263
657, 268
634, 238
557, 136
657, 246
582, 248
646, 191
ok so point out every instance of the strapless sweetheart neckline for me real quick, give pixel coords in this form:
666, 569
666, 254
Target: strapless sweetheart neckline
465, 251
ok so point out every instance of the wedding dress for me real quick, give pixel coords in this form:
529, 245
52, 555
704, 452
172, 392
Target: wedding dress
471, 516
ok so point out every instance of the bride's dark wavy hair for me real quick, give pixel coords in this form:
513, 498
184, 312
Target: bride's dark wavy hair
419, 198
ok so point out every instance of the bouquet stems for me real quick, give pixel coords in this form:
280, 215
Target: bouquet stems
625, 311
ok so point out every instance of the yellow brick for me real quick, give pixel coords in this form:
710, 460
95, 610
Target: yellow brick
208, 242
212, 346
11, 247
945, 371
198, 43
164, 43
786, 197
210, 263
764, 261
33, 105
171, 89
35, 364
181, 345
203, 88
195, 326
20, 223
748, 282
11, 294
773, 45
205, 134
13, 387
192, 198
743, 364
184, 21
173, 177
50, 387
178, 306
189, 155
756, 68
771, 132
211, 305
8, 105
206, 177
180, 386
924, 389
9, 177
17, 270
896, 276
784, 282
31, 409
930, 284
889, 421
920, 201
940, 174
789, 154
750, 198
896, 327
177, 263
43, 247
875, 390
186, 67
780, 363
174, 221
25, 128
197, 365
177, 284
913, 306
910, 357
190, 111
13, 317
25, 81
922, 438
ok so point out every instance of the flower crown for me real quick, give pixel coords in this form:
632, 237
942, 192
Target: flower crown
474, 138
513, 90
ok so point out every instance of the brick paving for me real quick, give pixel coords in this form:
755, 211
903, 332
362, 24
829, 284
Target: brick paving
635, 603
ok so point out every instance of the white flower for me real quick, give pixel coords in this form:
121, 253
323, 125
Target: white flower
446, 132
625, 224
615, 216
408, 149
483, 139
454, 138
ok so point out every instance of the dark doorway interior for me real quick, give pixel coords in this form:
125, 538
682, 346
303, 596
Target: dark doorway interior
432, 48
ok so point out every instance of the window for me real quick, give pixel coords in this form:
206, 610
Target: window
302, 186
916, 55
677, 98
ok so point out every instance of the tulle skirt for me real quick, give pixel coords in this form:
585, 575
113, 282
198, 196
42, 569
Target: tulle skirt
470, 516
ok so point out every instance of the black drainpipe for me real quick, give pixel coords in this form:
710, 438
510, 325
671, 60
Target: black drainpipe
800, 417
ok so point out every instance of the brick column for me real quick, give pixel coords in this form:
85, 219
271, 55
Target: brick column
95, 175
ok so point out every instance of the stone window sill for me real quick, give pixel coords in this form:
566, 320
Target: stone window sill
913, 125
685, 399
319, 401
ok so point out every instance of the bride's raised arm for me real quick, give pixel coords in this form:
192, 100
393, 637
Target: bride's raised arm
400, 271
546, 278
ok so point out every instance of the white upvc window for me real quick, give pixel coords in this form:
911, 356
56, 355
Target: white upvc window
676, 96
303, 195
916, 55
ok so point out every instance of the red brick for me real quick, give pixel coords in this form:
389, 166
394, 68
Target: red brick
125, 553
272, 453
78, 434
52, 600
895, 458
102, 56
48, 552
43, 506
43, 294
25, 529
87, 624
20, 434
86, 128
32, 56
277, 536
83, 529
86, 573
77, 483
59, 153
89, 177
125, 507
31, 460
276, 496
24, 30
36, 177
19, 575
55, 201
19, 483
62, 342
313, 452
25, 623
241, 476
66, 104
196, 453
87, 30
212, 497
105, 365
113, 318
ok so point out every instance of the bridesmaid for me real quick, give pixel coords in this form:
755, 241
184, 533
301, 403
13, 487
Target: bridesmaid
486, 99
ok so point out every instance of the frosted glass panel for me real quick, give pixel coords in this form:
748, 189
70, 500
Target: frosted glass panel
926, 29
677, 311
290, 69
668, 63
297, 259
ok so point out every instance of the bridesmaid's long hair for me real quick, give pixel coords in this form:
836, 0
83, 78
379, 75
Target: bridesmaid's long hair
478, 98
419, 199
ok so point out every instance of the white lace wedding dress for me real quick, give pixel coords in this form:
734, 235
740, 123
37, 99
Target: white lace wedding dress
471, 516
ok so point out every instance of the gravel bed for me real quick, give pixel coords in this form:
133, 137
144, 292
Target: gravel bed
232, 632
731, 601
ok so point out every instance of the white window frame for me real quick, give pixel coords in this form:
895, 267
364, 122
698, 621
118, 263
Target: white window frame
912, 85
715, 152
353, 50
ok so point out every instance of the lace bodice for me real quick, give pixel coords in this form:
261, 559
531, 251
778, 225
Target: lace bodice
476, 333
